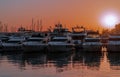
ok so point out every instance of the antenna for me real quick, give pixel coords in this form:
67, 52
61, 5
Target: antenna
6, 28
1, 26
40, 25
32, 24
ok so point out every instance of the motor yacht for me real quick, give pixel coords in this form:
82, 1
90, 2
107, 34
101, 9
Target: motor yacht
78, 34
60, 44
113, 43
13, 44
92, 42
35, 43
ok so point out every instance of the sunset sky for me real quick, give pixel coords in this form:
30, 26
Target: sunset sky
89, 13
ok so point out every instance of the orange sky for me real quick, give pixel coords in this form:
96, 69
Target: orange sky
68, 12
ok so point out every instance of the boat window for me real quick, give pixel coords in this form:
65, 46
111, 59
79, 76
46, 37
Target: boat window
114, 39
92, 40
64, 30
34, 40
62, 40
39, 35
13, 41
56, 31
60, 30
77, 37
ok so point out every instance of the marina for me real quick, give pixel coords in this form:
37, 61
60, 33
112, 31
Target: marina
59, 40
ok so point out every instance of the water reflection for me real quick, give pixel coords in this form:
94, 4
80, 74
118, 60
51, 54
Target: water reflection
104, 62
62, 62
74, 60
90, 60
114, 59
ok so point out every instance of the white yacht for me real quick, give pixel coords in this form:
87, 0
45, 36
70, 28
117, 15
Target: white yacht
35, 43
92, 42
113, 43
60, 44
59, 30
13, 44
78, 34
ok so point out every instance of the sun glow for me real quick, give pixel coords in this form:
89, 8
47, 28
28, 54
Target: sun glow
109, 20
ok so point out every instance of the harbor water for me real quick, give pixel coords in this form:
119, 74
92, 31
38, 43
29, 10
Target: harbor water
75, 64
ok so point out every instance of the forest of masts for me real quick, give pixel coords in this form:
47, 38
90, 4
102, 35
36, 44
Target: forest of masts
35, 26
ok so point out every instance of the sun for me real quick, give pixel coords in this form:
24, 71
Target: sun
109, 20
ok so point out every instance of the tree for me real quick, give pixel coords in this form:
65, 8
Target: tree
117, 28
1, 26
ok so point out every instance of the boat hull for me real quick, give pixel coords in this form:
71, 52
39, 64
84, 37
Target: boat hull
92, 48
60, 48
1, 48
34, 48
12, 48
113, 48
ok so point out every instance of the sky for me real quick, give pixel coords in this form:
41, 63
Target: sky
68, 12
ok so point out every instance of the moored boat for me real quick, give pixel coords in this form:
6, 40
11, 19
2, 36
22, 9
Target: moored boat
92, 42
35, 43
13, 44
113, 43
78, 34
60, 44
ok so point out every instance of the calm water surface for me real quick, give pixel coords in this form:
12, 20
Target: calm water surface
60, 65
